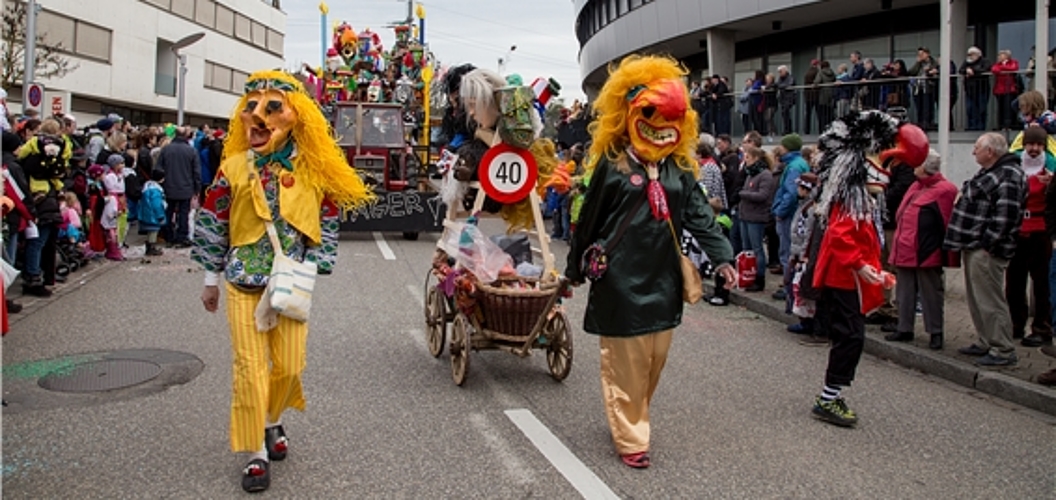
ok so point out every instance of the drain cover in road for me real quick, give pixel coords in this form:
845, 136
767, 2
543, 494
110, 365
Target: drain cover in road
102, 375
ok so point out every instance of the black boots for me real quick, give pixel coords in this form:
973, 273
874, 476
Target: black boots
34, 285
759, 285
153, 250
936, 341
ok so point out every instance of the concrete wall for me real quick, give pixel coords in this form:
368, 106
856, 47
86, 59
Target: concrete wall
136, 26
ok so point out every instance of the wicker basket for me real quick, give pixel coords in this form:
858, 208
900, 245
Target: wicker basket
515, 311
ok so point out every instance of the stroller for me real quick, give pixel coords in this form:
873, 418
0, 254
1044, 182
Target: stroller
70, 253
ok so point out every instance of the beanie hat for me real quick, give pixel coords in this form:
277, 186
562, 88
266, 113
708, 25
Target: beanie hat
114, 117
1035, 135
11, 141
115, 160
157, 175
792, 142
218, 133
807, 180
95, 171
104, 125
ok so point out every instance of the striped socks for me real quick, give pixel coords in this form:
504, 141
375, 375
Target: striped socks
830, 392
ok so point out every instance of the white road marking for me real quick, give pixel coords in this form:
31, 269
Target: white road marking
515, 467
416, 292
576, 472
383, 245
419, 338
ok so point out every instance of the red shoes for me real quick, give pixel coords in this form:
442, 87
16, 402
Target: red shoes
636, 460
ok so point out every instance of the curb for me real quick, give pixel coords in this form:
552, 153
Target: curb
996, 384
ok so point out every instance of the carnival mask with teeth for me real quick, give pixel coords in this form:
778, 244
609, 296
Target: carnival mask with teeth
654, 121
269, 119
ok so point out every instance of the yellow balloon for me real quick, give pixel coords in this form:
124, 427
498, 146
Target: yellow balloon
420, 11
427, 74
325, 9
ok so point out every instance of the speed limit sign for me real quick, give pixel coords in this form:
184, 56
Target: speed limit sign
508, 173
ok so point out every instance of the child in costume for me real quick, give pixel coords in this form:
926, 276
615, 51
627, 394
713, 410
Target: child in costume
643, 178
281, 164
151, 208
108, 220
858, 152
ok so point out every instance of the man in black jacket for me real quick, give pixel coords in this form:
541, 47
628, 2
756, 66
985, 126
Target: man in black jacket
976, 71
183, 182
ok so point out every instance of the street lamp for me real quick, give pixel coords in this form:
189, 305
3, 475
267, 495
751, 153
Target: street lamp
182, 74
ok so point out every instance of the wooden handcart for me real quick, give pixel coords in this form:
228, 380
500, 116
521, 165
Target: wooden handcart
514, 314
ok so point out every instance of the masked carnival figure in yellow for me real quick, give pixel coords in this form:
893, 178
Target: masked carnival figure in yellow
642, 195
282, 166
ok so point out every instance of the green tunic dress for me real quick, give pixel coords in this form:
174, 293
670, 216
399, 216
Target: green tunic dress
641, 292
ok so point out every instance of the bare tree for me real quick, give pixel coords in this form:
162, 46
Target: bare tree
51, 62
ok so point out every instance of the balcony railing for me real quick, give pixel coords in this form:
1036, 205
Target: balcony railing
977, 103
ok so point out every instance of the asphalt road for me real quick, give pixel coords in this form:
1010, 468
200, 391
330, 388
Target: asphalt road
731, 418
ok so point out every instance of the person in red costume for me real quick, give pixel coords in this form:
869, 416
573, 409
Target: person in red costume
857, 154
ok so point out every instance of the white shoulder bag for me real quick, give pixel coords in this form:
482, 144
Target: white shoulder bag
290, 285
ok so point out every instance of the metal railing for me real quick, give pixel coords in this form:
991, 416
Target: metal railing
808, 109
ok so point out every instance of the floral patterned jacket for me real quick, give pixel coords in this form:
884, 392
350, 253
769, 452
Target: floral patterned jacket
249, 266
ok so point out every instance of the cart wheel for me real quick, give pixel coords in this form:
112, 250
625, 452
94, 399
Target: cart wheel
558, 346
435, 326
461, 331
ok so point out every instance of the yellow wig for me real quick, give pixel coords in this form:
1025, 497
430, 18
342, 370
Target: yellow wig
609, 130
319, 158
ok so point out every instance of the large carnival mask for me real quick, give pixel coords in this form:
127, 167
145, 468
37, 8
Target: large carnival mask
345, 41
654, 120
268, 117
911, 148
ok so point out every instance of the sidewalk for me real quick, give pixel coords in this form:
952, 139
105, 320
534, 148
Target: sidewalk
1015, 384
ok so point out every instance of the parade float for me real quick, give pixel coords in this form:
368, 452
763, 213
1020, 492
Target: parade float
378, 103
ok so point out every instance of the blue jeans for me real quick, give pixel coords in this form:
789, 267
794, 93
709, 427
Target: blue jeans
975, 104
735, 233
178, 214
784, 236
35, 247
11, 248
752, 238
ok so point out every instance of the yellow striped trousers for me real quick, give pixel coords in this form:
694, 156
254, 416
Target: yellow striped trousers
262, 392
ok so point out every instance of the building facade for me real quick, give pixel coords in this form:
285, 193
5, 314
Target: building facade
734, 38
125, 62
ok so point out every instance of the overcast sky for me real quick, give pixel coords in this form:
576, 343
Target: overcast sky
457, 31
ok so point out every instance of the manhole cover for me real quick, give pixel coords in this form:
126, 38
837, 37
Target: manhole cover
98, 376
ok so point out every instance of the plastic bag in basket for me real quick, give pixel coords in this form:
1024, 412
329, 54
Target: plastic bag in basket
476, 253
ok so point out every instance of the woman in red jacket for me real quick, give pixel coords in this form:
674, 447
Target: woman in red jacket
1005, 89
916, 250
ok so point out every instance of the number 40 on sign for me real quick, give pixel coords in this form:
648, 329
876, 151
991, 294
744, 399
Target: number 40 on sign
508, 174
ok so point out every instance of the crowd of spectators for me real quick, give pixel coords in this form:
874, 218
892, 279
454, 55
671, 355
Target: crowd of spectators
77, 191
776, 104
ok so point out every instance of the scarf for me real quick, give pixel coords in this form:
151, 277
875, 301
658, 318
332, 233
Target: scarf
281, 156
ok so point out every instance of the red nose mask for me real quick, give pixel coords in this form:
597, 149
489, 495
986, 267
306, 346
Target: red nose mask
911, 146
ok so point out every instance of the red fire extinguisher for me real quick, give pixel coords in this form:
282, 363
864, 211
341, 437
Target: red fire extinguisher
747, 263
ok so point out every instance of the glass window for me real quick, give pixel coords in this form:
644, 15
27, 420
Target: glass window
636, 3
260, 35
205, 13
238, 81
221, 78
621, 7
225, 20
160, 3
56, 30
776, 60
93, 41
275, 42
183, 8
742, 70
906, 45
243, 27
